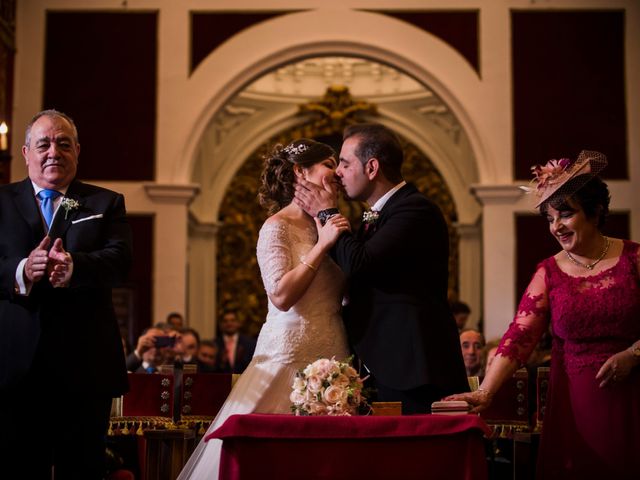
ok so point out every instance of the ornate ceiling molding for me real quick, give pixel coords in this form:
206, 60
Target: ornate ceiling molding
363, 77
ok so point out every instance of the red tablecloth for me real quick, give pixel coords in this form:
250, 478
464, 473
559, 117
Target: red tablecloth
407, 447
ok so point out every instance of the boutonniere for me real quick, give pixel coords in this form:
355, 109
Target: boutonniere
69, 204
370, 217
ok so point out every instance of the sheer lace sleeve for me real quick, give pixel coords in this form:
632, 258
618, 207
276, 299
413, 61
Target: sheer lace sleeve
274, 254
530, 322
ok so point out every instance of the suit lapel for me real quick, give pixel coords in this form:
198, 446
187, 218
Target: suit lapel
27, 205
63, 218
366, 233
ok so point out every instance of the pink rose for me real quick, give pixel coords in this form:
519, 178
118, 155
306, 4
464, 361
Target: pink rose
296, 398
317, 408
314, 383
341, 381
350, 372
322, 366
335, 394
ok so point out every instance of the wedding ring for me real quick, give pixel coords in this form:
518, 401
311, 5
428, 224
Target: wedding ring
615, 377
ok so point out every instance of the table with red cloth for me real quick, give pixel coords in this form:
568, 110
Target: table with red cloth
288, 447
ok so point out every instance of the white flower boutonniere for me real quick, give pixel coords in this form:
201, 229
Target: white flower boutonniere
69, 204
370, 216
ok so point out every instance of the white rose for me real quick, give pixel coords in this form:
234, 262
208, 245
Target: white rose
299, 383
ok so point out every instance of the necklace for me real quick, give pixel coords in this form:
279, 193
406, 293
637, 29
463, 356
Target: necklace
589, 266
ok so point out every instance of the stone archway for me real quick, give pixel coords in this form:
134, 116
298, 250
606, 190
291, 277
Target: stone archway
239, 284
223, 74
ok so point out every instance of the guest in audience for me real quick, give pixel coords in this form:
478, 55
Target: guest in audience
148, 355
64, 244
207, 357
175, 320
188, 344
590, 293
152, 359
397, 315
235, 349
461, 312
472, 344
304, 290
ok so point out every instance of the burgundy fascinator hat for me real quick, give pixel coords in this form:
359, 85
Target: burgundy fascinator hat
554, 176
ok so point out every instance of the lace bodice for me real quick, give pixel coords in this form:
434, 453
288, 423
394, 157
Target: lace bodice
312, 328
592, 317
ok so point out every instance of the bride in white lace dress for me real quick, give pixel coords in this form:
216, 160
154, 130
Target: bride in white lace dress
304, 287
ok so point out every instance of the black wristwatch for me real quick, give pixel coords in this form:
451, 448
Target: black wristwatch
325, 215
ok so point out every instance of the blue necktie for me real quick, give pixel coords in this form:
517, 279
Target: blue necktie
47, 197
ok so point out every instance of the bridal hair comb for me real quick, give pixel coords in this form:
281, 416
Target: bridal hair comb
553, 177
296, 149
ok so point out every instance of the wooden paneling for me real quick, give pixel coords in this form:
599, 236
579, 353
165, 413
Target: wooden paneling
459, 28
569, 87
210, 29
100, 68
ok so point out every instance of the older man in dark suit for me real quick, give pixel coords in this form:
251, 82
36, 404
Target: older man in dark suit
63, 245
397, 317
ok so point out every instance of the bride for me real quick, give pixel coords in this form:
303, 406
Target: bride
304, 287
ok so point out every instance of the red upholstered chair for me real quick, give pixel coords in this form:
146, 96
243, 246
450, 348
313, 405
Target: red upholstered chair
202, 396
509, 410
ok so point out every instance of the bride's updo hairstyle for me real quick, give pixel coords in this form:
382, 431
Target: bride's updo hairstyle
278, 178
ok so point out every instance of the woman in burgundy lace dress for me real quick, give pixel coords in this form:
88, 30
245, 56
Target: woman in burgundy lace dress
590, 293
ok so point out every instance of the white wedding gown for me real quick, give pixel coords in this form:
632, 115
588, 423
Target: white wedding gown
288, 341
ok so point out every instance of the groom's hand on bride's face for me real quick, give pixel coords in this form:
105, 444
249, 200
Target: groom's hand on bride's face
313, 198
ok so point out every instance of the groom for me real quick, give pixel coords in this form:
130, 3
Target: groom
63, 245
397, 317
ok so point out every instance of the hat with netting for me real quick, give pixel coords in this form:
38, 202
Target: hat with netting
564, 177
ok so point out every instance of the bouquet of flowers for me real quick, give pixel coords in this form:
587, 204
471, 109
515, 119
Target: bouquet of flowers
328, 387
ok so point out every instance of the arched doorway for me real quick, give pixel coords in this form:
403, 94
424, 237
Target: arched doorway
231, 130
239, 285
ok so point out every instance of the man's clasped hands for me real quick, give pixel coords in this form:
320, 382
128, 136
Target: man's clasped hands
55, 262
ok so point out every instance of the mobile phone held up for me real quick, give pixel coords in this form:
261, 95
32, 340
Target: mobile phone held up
165, 341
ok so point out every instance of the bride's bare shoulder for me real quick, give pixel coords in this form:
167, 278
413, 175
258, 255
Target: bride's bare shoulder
276, 223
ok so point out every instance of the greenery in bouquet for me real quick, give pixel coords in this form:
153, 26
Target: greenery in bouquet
328, 387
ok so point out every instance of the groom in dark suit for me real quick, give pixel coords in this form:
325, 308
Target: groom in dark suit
63, 245
397, 316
